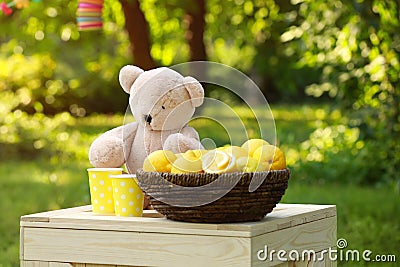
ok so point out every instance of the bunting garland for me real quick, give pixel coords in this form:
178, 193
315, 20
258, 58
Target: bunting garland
89, 15
7, 10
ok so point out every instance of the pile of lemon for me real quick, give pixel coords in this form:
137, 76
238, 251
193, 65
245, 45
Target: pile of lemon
255, 155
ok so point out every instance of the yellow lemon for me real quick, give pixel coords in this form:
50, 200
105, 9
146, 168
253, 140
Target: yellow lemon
251, 145
185, 164
279, 160
265, 156
270, 157
247, 164
223, 147
178, 155
237, 151
159, 161
194, 154
217, 161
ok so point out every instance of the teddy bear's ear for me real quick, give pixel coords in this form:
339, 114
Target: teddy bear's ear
195, 90
127, 75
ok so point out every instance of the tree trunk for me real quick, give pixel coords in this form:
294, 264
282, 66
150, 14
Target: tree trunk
139, 34
195, 13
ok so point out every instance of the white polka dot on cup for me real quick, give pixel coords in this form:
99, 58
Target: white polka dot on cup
123, 209
101, 195
123, 196
101, 207
138, 196
122, 183
94, 176
131, 190
94, 188
101, 182
116, 190
130, 203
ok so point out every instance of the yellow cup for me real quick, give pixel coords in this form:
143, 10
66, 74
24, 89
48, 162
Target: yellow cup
128, 197
101, 194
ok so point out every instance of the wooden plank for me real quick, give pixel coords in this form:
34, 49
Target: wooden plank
21, 243
156, 227
115, 223
284, 216
285, 264
45, 216
292, 264
152, 214
132, 248
60, 264
326, 262
314, 236
34, 264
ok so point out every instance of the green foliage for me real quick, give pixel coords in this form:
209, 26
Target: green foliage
356, 45
347, 50
57, 137
167, 29
324, 148
56, 68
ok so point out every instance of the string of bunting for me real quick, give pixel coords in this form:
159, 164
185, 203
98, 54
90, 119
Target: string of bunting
89, 15
7, 8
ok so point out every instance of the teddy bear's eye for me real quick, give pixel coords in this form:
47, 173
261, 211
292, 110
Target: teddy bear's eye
162, 107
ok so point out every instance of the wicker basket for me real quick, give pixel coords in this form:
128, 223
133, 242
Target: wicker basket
238, 205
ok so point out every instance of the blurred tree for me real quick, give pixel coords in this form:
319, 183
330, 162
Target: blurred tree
169, 19
195, 18
138, 32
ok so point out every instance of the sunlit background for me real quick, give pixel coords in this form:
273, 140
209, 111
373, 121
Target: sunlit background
329, 69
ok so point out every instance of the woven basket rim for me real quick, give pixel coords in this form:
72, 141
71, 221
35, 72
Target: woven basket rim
204, 173
199, 179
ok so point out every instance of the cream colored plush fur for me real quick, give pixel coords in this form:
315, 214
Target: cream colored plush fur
162, 102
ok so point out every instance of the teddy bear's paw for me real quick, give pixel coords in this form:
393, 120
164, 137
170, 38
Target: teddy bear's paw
106, 153
179, 143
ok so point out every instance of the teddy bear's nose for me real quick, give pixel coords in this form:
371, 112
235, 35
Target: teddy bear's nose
147, 118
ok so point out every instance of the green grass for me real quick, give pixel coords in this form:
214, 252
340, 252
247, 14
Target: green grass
368, 217
33, 186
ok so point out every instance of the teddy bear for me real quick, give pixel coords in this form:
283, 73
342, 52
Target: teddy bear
162, 102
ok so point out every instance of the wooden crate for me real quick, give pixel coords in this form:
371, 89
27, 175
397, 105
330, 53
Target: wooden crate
77, 237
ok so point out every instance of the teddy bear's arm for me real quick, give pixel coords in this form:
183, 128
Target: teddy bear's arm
190, 132
187, 139
111, 148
